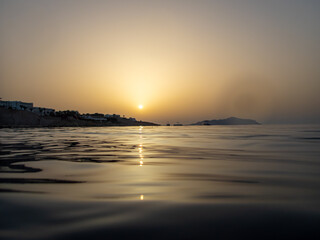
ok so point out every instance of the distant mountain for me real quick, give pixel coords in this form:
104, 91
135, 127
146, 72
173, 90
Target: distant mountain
227, 121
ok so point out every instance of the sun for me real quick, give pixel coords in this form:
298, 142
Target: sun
140, 106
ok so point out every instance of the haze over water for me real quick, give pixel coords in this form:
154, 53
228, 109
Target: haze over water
183, 60
218, 182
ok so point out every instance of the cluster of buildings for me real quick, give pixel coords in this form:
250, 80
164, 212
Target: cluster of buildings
103, 117
18, 105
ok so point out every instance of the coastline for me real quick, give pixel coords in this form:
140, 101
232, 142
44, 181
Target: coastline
10, 118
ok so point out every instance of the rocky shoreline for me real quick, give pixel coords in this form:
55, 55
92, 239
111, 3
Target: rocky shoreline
10, 118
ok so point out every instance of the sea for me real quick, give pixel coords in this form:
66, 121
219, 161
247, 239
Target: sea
161, 182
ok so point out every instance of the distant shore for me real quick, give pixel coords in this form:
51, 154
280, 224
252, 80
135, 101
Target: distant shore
10, 118
228, 121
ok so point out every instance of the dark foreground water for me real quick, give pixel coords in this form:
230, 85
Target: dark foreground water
192, 182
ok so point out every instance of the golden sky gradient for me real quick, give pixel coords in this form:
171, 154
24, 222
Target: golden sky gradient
182, 60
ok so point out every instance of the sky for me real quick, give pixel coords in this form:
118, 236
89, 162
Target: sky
183, 60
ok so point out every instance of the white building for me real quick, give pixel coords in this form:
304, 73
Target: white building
89, 117
112, 115
17, 105
43, 111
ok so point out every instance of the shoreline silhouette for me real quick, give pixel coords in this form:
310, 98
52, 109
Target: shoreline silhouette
11, 118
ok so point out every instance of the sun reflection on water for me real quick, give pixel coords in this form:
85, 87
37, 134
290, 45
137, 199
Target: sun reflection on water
140, 149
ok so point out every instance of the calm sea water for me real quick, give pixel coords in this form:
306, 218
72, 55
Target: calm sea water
190, 182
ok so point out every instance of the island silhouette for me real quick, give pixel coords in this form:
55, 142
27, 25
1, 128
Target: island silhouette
227, 121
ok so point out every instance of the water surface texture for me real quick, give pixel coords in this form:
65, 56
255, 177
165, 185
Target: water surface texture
190, 182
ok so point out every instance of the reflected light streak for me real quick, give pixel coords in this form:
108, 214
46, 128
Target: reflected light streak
140, 149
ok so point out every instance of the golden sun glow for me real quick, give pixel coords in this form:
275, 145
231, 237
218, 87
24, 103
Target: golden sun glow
140, 106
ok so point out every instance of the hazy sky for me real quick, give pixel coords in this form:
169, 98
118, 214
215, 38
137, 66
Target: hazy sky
183, 60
